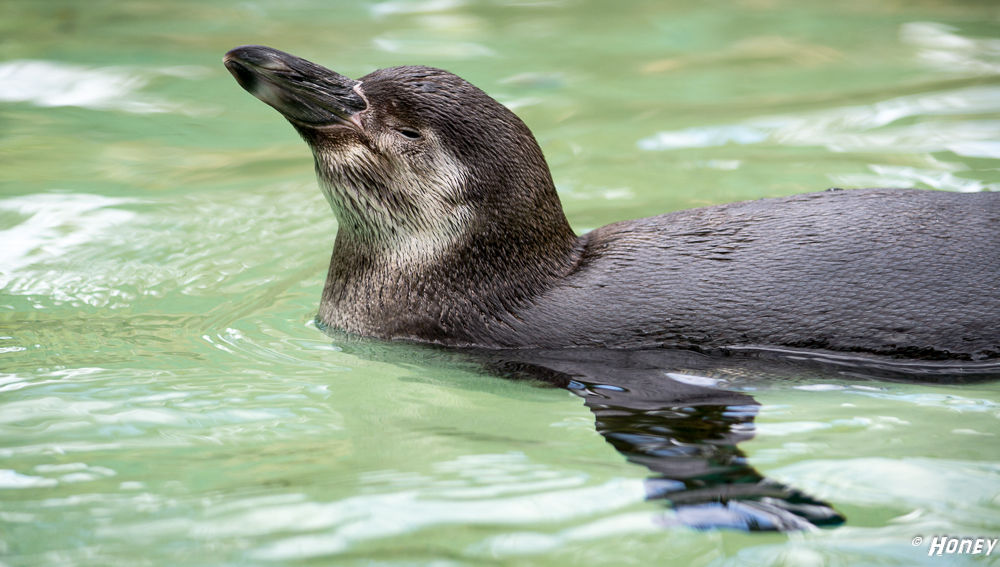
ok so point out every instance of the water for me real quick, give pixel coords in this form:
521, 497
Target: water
166, 398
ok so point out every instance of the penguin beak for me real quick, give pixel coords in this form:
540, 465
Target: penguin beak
306, 94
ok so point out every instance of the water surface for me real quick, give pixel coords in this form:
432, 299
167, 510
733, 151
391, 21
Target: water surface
165, 398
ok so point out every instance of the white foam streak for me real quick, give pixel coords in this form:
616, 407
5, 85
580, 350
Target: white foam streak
944, 50
365, 518
50, 84
314, 529
902, 176
12, 479
445, 49
985, 149
404, 7
874, 481
861, 128
528, 543
55, 224
869, 128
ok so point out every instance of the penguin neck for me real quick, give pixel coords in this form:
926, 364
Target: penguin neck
451, 286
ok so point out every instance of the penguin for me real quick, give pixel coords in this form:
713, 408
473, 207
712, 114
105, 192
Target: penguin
450, 232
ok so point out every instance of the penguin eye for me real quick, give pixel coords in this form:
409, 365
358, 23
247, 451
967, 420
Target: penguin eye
411, 134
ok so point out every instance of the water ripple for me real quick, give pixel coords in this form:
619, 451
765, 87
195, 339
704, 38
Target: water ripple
861, 128
365, 518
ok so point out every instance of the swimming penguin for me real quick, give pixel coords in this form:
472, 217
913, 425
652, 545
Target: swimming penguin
450, 231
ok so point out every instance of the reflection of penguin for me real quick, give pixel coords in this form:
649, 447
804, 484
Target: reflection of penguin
450, 231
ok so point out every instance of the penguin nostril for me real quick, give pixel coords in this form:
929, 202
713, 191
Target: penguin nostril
243, 75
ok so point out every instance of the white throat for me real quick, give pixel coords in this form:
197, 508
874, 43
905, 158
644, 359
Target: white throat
413, 217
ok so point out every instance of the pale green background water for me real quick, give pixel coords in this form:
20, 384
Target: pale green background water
166, 400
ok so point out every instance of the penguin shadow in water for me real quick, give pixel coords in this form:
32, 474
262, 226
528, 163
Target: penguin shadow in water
663, 409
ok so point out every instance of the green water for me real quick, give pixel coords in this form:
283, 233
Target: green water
166, 400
